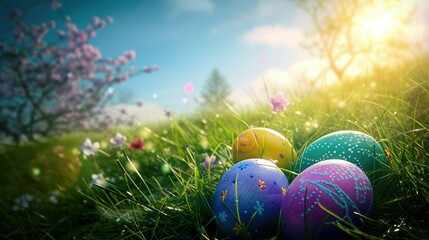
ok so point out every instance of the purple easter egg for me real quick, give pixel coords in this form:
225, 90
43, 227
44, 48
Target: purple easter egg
339, 186
248, 198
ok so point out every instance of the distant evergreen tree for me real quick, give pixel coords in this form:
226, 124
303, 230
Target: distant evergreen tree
216, 91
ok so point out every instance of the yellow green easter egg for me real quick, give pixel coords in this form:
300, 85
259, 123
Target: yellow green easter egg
264, 143
56, 168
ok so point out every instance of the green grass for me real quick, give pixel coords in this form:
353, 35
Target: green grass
163, 191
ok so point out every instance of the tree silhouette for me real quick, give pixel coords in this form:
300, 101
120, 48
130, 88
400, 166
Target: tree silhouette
216, 92
364, 32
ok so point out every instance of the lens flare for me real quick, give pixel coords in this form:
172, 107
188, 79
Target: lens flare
188, 88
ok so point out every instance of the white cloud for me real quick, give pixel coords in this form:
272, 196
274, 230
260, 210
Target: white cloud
315, 71
266, 85
420, 25
260, 10
274, 36
185, 6
296, 79
267, 8
275, 79
148, 113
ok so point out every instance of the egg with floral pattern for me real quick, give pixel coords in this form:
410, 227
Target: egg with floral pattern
247, 199
264, 143
353, 146
339, 186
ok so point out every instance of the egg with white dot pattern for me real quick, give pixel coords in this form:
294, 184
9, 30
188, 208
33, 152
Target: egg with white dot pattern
339, 186
353, 146
247, 199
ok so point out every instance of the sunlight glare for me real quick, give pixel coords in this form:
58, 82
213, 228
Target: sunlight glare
381, 26
380, 22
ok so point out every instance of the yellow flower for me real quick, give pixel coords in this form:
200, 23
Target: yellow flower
224, 194
262, 185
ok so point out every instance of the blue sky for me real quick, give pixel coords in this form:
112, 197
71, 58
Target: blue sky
189, 41
186, 38
244, 39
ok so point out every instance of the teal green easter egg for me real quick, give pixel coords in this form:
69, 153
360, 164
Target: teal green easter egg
353, 146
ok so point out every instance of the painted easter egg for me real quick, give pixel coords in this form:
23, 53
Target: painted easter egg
339, 186
353, 146
264, 143
247, 199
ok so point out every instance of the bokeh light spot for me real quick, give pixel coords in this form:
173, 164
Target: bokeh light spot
36, 171
165, 169
188, 88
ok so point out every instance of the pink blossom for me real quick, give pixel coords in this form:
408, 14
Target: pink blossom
102, 67
130, 55
125, 76
19, 34
147, 69
38, 43
91, 32
279, 103
51, 24
55, 5
81, 37
55, 76
71, 27
109, 19
101, 24
132, 70
71, 74
95, 20
35, 30
121, 60
61, 33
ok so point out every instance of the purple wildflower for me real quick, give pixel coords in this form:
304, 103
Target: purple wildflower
88, 148
118, 140
167, 112
279, 103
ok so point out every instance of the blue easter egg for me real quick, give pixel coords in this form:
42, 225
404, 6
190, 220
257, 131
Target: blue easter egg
247, 199
339, 186
353, 146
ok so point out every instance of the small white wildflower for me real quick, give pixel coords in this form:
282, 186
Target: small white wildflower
88, 148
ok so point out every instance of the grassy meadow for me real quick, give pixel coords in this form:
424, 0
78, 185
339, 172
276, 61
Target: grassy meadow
51, 190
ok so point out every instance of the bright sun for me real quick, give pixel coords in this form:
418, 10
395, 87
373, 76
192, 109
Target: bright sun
382, 26
380, 21
382, 33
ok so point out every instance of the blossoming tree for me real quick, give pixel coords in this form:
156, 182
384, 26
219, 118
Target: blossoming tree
59, 84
